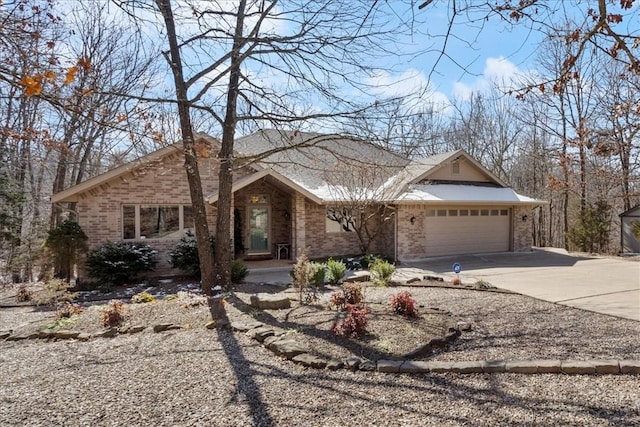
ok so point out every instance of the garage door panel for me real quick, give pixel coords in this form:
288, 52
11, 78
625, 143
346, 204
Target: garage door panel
450, 235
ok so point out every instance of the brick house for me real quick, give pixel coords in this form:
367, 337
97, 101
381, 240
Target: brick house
295, 190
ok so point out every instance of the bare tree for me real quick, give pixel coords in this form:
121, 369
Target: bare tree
256, 61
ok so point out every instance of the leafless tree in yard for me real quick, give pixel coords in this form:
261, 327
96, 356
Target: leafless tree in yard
255, 61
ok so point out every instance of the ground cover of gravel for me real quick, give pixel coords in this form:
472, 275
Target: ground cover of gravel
196, 376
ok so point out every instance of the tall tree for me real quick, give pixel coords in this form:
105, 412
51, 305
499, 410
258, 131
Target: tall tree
256, 61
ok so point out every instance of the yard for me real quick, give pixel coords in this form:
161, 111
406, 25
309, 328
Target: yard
198, 376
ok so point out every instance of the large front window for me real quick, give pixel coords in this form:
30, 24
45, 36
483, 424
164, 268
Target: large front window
155, 221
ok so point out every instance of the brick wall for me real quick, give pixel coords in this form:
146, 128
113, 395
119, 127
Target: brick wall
522, 230
411, 236
161, 182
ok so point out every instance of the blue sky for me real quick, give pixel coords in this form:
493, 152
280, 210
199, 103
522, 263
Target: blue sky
479, 52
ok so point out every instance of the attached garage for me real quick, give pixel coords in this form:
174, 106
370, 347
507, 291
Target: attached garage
467, 229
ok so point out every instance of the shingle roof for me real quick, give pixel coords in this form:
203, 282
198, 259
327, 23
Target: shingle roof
315, 161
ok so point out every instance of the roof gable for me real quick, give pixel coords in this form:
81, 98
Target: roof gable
453, 167
72, 194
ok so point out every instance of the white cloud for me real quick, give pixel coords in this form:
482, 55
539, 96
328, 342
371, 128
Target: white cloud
498, 72
411, 84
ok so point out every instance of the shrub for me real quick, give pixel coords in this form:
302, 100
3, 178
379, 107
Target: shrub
456, 281
239, 271
354, 324
55, 291
116, 263
402, 303
67, 310
305, 275
23, 294
318, 273
380, 271
350, 294
113, 314
66, 241
335, 271
185, 255
483, 284
142, 297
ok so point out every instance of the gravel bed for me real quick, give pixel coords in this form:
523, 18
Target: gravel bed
194, 376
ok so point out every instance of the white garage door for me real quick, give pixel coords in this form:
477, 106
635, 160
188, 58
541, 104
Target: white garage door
451, 231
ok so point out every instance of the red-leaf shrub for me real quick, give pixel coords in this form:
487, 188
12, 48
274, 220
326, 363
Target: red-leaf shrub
354, 324
403, 304
350, 294
113, 314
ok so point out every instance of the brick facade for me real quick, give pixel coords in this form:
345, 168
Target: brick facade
522, 219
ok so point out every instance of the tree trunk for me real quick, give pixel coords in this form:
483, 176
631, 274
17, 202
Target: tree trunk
205, 253
225, 156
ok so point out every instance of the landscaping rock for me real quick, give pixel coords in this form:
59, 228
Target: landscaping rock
389, 365
493, 366
630, 367
335, 364
5, 334
521, 367
244, 327
577, 367
548, 366
136, 329
287, 347
352, 362
471, 367
84, 337
261, 333
414, 367
210, 325
270, 302
17, 337
606, 366
107, 333
162, 327
65, 335
308, 360
464, 326
367, 365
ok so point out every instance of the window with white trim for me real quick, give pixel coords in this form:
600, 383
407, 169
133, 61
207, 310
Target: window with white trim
156, 221
339, 220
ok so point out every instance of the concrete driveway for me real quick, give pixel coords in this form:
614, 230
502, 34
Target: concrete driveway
606, 285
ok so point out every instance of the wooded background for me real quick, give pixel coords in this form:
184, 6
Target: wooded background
78, 95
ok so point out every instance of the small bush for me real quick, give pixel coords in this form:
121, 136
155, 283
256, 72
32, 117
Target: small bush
67, 310
55, 292
350, 294
354, 324
483, 284
185, 255
24, 294
117, 263
142, 297
335, 271
380, 271
402, 303
456, 281
318, 273
239, 271
305, 275
113, 314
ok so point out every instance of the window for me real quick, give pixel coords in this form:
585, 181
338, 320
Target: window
504, 212
464, 212
484, 212
339, 220
453, 212
155, 221
473, 212
494, 212
431, 212
441, 212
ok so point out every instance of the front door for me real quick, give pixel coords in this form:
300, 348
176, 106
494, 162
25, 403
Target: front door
259, 230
